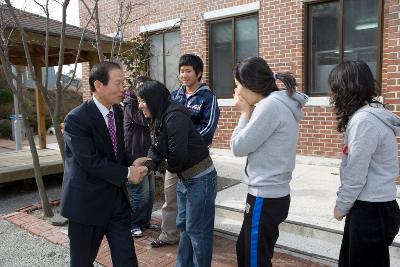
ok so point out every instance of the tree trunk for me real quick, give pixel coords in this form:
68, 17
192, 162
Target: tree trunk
47, 211
56, 122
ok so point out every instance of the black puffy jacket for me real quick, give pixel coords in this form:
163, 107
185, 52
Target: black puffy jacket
177, 141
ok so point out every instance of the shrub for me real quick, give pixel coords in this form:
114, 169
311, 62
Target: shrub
5, 129
6, 96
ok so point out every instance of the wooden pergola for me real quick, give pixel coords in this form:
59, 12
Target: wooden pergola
35, 28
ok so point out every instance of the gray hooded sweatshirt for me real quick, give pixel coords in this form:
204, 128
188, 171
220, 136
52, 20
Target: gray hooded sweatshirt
369, 162
269, 141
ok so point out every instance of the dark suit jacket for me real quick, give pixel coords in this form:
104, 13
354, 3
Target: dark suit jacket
92, 174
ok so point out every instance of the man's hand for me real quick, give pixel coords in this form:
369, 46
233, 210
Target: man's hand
140, 161
338, 215
137, 173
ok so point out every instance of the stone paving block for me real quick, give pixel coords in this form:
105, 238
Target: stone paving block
57, 238
30, 208
49, 232
16, 221
13, 214
103, 254
66, 243
166, 261
139, 250
36, 228
105, 261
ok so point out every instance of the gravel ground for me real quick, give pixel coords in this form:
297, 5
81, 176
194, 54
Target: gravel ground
20, 249
23, 193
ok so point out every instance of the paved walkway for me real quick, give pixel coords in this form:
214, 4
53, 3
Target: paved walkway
223, 256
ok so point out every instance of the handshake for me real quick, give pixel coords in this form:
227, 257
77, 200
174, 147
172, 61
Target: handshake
138, 170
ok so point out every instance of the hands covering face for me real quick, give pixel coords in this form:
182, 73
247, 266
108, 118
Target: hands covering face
138, 170
241, 104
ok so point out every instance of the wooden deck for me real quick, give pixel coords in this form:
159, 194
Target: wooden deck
17, 165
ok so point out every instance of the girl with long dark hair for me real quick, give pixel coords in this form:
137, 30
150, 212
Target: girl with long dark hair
369, 167
268, 137
175, 139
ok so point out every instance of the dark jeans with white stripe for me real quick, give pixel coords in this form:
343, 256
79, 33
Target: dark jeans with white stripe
260, 230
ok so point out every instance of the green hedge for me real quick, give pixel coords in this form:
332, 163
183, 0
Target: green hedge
6, 96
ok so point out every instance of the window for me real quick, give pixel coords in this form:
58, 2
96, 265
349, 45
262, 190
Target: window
231, 40
164, 60
341, 30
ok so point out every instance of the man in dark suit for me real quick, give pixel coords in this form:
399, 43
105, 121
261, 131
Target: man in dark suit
94, 196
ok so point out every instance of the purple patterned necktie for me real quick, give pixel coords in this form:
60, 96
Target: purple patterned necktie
111, 131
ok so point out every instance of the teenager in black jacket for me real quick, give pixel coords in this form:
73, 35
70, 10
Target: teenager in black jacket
175, 139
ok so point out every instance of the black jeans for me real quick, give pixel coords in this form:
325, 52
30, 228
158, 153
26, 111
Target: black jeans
370, 228
260, 230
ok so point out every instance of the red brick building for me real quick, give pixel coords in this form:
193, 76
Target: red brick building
304, 37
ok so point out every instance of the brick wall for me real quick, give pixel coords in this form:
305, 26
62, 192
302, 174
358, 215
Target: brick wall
391, 55
227, 121
85, 81
281, 43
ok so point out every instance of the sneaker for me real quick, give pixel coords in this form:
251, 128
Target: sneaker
157, 243
137, 232
153, 226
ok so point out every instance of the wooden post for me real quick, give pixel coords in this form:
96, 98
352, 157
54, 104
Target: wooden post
40, 110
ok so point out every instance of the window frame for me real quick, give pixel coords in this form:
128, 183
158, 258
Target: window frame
307, 42
234, 57
163, 32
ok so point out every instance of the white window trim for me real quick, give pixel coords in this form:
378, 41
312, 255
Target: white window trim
163, 25
232, 11
225, 102
323, 101
318, 101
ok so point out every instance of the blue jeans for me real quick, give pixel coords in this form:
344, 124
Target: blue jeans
195, 220
142, 198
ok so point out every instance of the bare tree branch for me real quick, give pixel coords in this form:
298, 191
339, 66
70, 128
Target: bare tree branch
79, 49
46, 46
98, 35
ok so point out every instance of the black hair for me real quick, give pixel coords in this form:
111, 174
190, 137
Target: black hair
137, 82
142, 79
351, 86
194, 61
255, 74
156, 96
100, 72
